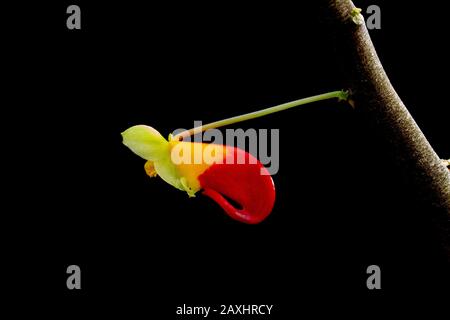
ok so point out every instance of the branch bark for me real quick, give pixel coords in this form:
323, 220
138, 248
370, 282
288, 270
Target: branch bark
374, 96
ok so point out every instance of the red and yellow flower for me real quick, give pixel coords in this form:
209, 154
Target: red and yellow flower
224, 173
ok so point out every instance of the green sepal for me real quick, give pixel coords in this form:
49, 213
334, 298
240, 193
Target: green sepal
146, 142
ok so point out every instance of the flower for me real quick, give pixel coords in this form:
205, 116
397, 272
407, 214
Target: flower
222, 172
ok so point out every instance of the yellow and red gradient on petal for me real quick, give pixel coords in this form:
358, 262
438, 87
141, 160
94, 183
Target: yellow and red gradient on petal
222, 172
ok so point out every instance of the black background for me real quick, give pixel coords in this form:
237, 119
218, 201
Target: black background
76, 195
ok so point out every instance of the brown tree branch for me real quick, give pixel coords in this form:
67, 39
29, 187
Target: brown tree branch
374, 96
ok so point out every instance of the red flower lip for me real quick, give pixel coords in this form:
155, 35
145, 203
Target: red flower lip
249, 184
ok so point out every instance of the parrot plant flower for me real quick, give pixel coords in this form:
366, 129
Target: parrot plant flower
217, 173
226, 174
